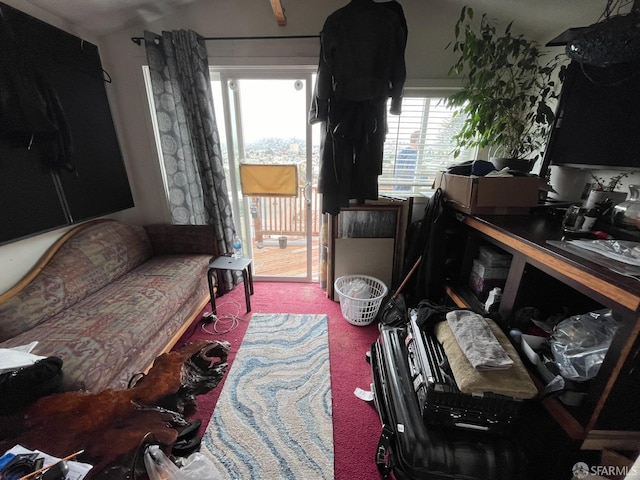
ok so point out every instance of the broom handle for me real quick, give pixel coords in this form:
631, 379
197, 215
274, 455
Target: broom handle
406, 279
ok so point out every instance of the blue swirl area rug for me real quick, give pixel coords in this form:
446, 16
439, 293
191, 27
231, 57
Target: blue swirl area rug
273, 417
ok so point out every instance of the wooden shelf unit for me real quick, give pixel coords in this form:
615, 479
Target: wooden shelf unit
609, 416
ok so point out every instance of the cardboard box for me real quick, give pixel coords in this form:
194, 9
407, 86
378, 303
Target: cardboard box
489, 195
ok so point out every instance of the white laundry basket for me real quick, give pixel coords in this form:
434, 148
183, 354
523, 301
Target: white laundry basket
363, 308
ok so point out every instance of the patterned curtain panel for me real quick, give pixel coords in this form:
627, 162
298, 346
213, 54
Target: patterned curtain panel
188, 131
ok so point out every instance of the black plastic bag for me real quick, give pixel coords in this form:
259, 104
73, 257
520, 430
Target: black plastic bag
25, 385
393, 311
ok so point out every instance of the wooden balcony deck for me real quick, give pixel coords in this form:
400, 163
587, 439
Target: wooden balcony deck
271, 260
275, 216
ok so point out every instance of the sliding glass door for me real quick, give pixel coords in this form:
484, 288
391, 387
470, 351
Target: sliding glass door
262, 118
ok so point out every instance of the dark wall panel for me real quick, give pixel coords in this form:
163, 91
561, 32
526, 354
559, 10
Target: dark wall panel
54, 107
99, 183
29, 201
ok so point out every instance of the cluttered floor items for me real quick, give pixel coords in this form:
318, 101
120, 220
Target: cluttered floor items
25, 377
22, 463
450, 388
459, 426
119, 433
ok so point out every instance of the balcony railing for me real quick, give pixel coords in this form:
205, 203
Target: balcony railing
284, 215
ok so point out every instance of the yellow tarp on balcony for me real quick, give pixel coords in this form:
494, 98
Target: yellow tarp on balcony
269, 180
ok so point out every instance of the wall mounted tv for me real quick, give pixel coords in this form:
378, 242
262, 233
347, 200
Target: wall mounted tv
60, 160
598, 118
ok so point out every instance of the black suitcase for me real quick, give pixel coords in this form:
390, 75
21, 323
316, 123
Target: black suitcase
440, 400
412, 450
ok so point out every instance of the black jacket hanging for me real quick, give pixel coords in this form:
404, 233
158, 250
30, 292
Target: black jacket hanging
361, 65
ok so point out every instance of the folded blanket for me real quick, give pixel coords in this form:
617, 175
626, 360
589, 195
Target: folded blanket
477, 341
514, 382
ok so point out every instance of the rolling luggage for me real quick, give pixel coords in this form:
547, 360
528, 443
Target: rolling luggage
439, 398
411, 449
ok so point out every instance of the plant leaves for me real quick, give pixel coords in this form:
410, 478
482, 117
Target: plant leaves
506, 90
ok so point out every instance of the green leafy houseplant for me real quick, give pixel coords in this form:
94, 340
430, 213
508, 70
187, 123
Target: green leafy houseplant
603, 190
602, 185
508, 93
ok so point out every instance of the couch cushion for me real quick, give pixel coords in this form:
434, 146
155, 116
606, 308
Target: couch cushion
120, 329
88, 261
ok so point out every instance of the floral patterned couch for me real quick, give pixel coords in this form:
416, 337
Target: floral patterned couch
109, 297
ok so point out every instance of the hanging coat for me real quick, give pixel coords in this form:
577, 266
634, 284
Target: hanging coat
361, 65
30, 111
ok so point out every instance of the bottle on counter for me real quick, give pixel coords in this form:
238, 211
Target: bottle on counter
237, 246
493, 300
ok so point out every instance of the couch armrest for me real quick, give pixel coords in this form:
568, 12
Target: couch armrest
177, 239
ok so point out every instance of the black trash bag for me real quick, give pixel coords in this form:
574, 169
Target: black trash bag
24, 386
393, 311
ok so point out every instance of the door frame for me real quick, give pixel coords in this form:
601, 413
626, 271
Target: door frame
235, 148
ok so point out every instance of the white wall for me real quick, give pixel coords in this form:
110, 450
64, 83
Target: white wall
430, 27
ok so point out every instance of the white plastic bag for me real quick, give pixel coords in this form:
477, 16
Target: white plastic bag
580, 343
357, 288
198, 467
159, 467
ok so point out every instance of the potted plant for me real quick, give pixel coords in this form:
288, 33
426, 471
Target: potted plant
282, 240
606, 189
610, 185
508, 93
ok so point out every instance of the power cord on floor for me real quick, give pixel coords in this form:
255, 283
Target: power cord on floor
218, 323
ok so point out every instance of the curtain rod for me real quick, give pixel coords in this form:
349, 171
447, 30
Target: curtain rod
138, 40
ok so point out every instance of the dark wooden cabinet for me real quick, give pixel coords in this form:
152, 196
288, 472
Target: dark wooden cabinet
544, 276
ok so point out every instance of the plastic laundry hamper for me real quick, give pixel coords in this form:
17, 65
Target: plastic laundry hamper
361, 309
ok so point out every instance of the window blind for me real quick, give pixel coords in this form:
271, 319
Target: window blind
419, 144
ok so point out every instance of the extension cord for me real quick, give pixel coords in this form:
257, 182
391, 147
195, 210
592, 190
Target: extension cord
218, 323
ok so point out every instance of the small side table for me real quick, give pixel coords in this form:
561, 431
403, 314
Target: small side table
231, 263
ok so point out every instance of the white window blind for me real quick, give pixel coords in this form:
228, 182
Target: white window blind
419, 144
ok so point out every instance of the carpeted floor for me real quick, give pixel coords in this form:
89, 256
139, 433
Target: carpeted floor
356, 425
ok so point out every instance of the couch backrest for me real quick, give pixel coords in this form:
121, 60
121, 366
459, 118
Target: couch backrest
87, 261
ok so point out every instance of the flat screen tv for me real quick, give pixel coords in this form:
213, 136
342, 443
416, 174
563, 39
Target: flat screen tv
598, 118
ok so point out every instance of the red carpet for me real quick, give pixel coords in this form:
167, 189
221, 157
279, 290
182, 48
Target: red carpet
356, 426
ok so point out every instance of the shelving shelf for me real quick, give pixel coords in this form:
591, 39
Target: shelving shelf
541, 274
